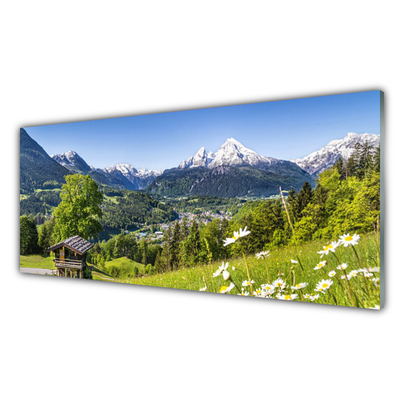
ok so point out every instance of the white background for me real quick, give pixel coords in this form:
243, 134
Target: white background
76, 60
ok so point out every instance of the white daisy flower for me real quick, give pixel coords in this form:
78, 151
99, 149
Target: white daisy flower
347, 240
226, 275
307, 296
375, 269
262, 254
332, 274
203, 289
325, 284
328, 248
221, 269
237, 235
320, 265
345, 277
342, 267
313, 298
287, 296
299, 286
227, 289
294, 261
279, 283
376, 281
247, 283
368, 274
267, 293
244, 293
257, 292
353, 273
244, 232
229, 241
268, 286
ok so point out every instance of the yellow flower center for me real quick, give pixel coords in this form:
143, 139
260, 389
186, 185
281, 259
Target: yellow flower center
223, 288
348, 238
288, 297
329, 246
279, 284
325, 285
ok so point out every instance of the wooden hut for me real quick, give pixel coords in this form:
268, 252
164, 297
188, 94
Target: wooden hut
70, 256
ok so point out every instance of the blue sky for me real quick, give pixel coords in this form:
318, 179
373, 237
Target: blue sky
282, 129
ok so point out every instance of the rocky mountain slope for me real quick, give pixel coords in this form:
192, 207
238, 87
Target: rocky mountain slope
320, 160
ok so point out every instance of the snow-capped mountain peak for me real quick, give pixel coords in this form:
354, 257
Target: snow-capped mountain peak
200, 159
72, 161
129, 172
320, 160
232, 152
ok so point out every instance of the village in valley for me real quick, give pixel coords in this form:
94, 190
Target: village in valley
147, 232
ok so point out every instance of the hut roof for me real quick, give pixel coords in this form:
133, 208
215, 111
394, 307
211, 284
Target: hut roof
74, 243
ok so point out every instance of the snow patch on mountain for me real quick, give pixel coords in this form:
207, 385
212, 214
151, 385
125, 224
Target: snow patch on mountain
322, 159
72, 161
231, 153
131, 172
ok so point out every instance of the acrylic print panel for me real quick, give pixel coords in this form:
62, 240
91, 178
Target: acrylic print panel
275, 200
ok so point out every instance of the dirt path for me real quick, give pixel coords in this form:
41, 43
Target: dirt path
37, 271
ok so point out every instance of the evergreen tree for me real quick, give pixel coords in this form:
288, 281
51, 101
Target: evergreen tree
377, 159
291, 204
176, 246
303, 198
143, 251
46, 235
339, 165
28, 236
157, 263
165, 259
192, 245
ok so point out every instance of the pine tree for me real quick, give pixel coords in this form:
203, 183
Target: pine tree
28, 236
377, 159
143, 251
157, 263
303, 198
176, 246
291, 202
165, 259
339, 165
192, 245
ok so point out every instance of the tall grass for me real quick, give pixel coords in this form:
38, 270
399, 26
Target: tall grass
294, 265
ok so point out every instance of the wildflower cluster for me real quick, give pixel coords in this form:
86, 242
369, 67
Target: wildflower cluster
334, 282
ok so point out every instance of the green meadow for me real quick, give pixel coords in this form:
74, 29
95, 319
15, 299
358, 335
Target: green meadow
279, 265
36, 261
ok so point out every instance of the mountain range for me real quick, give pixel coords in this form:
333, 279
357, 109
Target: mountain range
121, 176
233, 170
320, 160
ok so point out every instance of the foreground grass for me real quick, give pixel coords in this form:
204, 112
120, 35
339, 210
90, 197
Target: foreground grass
279, 265
36, 261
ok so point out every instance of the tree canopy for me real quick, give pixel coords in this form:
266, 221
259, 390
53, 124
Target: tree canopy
79, 211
